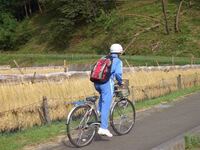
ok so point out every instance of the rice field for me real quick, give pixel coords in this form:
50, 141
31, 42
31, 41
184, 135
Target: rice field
13, 96
20, 104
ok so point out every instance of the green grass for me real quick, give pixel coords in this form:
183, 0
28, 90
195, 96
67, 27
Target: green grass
58, 59
17, 140
161, 60
48, 59
192, 142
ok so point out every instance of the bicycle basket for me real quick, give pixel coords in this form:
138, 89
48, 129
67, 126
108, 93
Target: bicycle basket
123, 91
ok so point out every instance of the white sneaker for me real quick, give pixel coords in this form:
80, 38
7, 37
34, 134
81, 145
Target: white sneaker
106, 132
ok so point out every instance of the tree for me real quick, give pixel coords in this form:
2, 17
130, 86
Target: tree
177, 16
39, 5
7, 31
164, 3
69, 15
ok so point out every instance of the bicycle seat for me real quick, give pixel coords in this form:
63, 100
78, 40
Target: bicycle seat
92, 99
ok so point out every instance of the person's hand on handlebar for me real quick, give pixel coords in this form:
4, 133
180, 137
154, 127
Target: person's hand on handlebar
120, 84
117, 84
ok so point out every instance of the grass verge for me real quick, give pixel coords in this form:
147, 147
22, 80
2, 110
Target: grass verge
192, 142
165, 99
17, 140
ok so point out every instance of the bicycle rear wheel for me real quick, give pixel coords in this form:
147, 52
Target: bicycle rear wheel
122, 116
80, 125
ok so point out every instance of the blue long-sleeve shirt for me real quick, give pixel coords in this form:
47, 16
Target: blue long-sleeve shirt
116, 69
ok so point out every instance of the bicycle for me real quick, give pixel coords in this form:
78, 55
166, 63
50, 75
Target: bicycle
83, 119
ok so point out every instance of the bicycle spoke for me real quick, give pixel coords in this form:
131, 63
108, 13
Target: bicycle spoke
126, 123
122, 120
79, 137
120, 125
119, 111
123, 117
84, 117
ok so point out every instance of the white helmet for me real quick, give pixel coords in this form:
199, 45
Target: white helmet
116, 48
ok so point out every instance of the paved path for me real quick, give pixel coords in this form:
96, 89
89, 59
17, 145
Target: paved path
152, 128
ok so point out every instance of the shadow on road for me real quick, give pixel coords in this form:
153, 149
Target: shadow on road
97, 138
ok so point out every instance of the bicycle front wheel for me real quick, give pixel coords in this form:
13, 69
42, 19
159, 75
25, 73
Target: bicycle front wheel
122, 116
80, 125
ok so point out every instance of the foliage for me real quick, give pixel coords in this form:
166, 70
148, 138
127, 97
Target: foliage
91, 26
107, 20
23, 33
70, 14
12, 33
67, 16
7, 30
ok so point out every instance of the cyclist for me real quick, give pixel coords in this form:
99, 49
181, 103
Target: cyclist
106, 90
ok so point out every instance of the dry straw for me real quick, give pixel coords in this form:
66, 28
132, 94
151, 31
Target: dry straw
20, 104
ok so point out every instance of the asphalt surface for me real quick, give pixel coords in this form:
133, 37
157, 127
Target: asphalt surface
153, 127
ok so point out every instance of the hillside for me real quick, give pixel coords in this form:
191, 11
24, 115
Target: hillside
130, 21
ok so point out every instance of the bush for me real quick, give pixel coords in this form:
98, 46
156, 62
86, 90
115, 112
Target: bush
70, 14
107, 20
192, 142
23, 33
60, 32
12, 33
7, 31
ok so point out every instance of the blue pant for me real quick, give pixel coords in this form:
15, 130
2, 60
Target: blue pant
105, 100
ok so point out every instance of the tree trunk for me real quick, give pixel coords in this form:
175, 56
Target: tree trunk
140, 32
29, 5
177, 17
25, 8
190, 3
165, 16
39, 7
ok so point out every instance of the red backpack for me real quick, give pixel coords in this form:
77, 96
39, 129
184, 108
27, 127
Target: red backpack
101, 71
